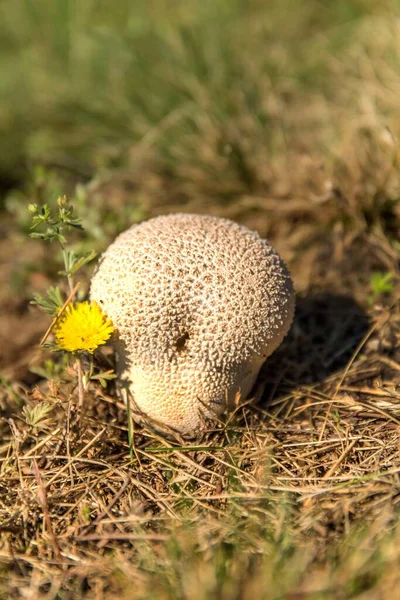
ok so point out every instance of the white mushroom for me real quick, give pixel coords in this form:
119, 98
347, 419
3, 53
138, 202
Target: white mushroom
199, 303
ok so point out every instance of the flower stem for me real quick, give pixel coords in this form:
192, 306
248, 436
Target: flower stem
78, 363
69, 277
80, 382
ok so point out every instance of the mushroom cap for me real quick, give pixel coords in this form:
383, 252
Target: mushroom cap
199, 303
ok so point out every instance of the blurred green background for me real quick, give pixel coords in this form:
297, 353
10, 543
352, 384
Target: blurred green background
215, 93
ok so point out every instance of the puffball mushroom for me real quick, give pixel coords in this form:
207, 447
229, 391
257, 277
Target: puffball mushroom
199, 303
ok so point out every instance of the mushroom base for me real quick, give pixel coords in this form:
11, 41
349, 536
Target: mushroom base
180, 412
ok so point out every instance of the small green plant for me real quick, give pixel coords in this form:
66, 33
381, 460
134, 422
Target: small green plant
56, 225
380, 283
37, 416
52, 370
80, 327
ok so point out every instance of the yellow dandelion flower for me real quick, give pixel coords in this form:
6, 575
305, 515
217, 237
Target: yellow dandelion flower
82, 327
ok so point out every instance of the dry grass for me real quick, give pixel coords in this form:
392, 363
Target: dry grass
282, 484
292, 496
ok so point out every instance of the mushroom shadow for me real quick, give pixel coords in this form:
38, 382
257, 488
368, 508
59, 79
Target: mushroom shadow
326, 330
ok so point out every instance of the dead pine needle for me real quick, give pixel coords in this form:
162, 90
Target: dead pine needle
42, 496
60, 314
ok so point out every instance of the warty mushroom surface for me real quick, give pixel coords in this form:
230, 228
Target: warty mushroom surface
199, 303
